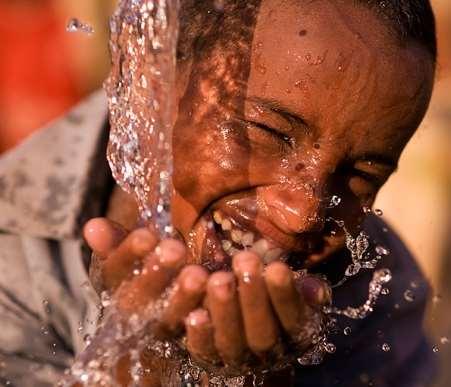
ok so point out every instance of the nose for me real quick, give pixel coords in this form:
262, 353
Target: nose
294, 209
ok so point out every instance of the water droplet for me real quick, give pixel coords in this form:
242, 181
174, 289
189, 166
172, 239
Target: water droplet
136, 272
385, 347
46, 305
378, 212
353, 269
330, 348
246, 277
347, 331
366, 210
436, 299
384, 229
381, 250
385, 291
435, 349
444, 340
75, 25
87, 339
105, 299
334, 201
409, 296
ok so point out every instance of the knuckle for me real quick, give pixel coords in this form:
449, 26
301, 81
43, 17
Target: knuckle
193, 279
278, 274
247, 261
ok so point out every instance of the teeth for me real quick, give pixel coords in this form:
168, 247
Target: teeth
217, 217
272, 255
226, 225
237, 235
260, 247
226, 245
247, 239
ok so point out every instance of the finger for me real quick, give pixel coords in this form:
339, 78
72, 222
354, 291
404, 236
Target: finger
259, 321
127, 256
157, 273
315, 291
224, 308
188, 293
200, 336
285, 298
103, 235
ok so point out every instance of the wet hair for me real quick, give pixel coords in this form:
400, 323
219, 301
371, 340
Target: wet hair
411, 20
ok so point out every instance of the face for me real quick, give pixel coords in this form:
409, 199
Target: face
295, 105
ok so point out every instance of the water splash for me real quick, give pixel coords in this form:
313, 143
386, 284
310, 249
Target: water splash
380, 278
141, 98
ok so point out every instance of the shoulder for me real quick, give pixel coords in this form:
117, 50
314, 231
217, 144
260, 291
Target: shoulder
43, 181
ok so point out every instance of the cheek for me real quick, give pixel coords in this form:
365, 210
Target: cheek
210, 161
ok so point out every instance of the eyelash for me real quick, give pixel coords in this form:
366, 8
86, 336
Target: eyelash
367, 176
286, 141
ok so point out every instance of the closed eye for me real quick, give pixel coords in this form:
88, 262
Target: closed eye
287, 140
377, 179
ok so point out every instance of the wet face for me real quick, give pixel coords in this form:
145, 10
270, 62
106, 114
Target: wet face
308, 104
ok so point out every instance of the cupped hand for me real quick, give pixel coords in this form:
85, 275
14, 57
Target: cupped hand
236, 319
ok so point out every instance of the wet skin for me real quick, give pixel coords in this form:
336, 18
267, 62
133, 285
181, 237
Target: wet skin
320, 101
326, 111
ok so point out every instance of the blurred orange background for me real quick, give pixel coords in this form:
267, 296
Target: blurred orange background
44, 70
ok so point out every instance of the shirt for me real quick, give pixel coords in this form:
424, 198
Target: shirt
59, 178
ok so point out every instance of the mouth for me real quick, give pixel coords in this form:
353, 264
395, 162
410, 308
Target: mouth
226, 229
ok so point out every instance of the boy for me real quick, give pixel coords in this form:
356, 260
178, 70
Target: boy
283, 105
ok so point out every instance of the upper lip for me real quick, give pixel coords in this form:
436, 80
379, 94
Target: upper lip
246, 217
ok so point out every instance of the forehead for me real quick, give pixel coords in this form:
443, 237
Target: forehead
338, 64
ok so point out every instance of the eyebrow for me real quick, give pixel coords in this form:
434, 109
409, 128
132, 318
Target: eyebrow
280, 109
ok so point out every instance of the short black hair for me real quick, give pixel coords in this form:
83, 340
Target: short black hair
411, 20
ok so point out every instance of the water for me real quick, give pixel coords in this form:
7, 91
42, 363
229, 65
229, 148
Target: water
386, 347
375, 288
334, 201
75, 25
361, 255
409, 296
141, 96
444, 340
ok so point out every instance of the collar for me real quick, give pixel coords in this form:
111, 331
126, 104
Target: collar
47, 182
